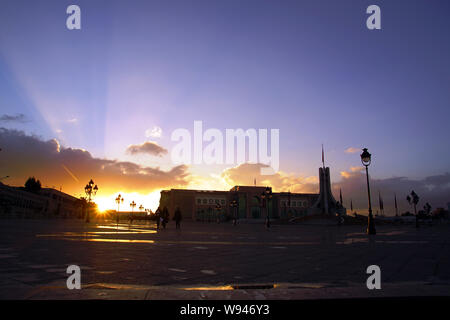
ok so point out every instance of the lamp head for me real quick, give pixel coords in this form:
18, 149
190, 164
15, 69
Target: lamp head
366, 157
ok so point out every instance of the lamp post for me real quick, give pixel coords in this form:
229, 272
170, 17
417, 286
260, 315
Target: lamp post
119, 200
366, 159
91, 190
132, 205
233, 205
267, 195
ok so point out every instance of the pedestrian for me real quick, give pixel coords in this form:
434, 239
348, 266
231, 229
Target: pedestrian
177, 217
164, 217
158, 216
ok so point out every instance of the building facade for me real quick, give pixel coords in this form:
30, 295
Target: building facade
204, 205
16, 202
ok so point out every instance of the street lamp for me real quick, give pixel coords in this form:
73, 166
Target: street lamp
233, 205
132, 205
267, 195
366, 159
90, 190
119, 200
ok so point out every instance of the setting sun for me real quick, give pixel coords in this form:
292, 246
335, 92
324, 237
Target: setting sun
149, 201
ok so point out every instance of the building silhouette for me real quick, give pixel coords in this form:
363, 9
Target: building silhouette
210, 205
48, 202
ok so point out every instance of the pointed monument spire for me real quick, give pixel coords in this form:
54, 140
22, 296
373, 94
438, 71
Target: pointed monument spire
323, 157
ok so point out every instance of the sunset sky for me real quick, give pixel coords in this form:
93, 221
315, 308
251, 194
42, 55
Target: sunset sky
80, 104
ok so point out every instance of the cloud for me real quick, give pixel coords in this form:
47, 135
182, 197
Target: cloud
155, 132
352, 150
245, 174
73, 120
20, 117
346, 174
23, 156
433, 189
148, 147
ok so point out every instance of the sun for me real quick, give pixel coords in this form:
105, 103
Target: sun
148, 201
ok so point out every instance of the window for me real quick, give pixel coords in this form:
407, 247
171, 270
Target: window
217, 201
211, 200
199, 201
205, 201
222, 201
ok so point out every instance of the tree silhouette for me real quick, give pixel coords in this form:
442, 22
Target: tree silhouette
33, 185
413, 200
427, 208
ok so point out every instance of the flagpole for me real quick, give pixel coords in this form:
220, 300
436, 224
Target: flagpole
396, 208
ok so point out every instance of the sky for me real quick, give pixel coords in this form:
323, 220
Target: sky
101, 102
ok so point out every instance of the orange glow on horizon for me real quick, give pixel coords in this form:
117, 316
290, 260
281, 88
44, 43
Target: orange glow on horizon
148, 201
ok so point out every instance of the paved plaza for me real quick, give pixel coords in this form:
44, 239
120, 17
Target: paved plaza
217, 261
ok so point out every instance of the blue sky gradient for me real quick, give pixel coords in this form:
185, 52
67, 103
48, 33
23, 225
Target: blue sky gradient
310, 68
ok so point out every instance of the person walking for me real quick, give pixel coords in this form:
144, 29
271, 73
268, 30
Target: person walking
164, 217
158, 216
177, 217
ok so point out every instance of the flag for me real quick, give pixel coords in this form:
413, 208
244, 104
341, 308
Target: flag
380, 201
340, 196
395, 201
254, 180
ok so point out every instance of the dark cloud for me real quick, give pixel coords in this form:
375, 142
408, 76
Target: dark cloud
16, 118
432, 189
23, 156
148, 147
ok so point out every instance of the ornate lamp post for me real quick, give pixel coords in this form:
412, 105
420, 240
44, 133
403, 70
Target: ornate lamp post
90, 190
119, 200
132, 205
233, 205
366, 159
266, 196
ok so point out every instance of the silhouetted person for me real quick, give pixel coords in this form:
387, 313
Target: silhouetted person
177, 217
158, 217
164, 217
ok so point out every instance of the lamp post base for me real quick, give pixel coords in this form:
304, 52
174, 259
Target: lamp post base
371, 226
